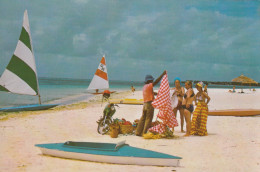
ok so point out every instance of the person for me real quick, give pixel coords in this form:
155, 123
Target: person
200, 115
133, 89
234, 89
187, 105
105, 93
206, 88
180, 93
148, 111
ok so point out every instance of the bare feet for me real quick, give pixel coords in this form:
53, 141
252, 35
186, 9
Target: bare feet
186, 135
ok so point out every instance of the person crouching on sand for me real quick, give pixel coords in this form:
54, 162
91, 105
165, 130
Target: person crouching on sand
187, 105
200, 115
180, 93
148, 95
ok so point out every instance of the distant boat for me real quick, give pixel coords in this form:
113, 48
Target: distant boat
120, 153
234, 112
20, 75
100, 80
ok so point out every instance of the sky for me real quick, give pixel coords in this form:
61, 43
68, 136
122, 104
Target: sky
194, 40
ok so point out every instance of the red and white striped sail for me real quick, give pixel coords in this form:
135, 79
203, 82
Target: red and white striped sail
100, 79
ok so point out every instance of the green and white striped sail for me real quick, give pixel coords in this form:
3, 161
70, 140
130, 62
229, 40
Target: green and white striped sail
20, 75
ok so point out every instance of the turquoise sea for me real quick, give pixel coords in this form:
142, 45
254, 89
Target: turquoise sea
67, 91
62, 91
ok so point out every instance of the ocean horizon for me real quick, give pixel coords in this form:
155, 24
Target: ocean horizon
68, 90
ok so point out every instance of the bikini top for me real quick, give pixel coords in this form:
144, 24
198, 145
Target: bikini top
185, 95
177, 94
200, 97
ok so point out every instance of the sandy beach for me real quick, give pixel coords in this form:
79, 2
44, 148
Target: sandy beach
233, 143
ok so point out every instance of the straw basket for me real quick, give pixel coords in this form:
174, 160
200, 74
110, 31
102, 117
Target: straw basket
114, 130
126, 129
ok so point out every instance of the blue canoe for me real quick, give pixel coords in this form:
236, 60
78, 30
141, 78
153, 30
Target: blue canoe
33, 107
120, 153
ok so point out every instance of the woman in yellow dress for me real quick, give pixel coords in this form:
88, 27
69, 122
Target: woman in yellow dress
200, 115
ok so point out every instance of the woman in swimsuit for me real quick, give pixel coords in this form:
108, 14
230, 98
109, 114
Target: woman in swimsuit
180, 93
200, 115
206, 87
187, 105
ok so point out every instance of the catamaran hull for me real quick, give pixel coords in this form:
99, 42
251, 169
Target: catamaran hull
112, 159
28, 108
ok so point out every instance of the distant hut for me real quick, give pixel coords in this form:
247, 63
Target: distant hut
244, 80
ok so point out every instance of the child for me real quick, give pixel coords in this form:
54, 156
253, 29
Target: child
148, 95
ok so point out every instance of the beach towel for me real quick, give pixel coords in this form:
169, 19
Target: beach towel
163, 103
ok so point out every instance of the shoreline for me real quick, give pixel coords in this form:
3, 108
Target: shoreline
75, 105
231, 145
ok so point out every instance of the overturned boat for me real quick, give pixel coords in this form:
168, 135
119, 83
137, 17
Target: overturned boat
119, 153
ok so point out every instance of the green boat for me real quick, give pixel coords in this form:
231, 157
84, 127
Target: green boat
119, 153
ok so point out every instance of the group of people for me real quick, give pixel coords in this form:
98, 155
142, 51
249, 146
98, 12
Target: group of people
195, 125
234, 90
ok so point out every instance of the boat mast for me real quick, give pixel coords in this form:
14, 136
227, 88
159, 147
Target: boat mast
39, 96
38, 93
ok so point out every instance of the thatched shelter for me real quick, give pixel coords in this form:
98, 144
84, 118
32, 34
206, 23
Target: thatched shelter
244, 80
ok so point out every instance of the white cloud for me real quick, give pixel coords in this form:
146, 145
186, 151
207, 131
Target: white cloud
111, 35
80, 1
146, 37
80, 39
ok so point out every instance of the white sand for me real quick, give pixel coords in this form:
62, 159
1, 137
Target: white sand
233, 143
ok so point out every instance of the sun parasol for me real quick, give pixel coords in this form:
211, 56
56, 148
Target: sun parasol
245, 80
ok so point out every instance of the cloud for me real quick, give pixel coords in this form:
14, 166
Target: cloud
191, 39
81, 2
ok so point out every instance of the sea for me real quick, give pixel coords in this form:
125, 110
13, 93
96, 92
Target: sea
67, 91
61, 91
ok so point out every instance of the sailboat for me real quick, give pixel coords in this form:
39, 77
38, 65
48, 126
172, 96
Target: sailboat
20, 75
100, 80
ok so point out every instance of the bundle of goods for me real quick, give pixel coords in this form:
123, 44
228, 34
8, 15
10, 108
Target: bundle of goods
114, 129
126, 127
155, 123
135, 123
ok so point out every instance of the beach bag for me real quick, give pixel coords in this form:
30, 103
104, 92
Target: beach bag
174, 99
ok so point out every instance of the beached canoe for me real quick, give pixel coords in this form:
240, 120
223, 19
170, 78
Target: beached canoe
234, 112
127, 101
32, 107
120, 153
